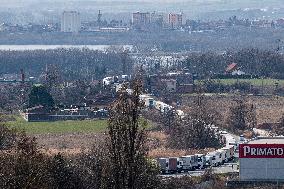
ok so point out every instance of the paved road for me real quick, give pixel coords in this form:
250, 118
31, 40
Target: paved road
226, 168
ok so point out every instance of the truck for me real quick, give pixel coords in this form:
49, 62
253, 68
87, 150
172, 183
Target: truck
216, 158
158, 105
187, 163
232, 142
201, 161
227, 154
222, 156
231, 152
149, 102
168, 165
208, 159
163, 164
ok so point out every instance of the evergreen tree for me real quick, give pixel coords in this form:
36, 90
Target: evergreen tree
40, 96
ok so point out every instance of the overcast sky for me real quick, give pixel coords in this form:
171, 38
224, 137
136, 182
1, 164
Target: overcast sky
127, 5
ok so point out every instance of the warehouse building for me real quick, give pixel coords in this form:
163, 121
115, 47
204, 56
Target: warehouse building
262, 159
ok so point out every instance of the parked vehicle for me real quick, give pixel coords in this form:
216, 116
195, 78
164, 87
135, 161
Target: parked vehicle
201, 161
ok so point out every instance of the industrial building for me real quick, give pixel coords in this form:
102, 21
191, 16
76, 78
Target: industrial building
70, 22
262, 159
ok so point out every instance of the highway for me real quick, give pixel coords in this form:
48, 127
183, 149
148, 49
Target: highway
230, 167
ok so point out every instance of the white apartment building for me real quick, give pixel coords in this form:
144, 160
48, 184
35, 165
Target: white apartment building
70, 22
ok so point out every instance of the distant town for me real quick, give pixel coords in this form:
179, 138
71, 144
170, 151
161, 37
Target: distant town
140, 21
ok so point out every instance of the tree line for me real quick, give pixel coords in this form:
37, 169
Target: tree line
262, 63
71, 63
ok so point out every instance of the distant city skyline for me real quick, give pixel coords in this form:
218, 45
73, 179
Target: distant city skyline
50, 10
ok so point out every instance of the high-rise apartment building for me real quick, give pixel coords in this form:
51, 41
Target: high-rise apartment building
175, 20
70, 21
141, 20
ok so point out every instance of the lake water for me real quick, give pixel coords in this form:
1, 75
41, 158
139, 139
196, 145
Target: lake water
48, 47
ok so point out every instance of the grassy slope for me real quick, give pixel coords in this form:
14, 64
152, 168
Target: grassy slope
86, 126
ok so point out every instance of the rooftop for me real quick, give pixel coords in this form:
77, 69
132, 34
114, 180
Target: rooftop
267, 140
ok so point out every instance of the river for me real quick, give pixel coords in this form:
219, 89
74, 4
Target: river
48, 47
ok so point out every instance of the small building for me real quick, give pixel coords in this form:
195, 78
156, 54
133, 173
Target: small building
262, 159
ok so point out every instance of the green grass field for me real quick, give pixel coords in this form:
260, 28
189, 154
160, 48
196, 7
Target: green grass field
255, 82
86, 126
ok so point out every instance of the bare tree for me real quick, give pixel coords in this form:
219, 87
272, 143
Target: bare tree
242, 115
194, 133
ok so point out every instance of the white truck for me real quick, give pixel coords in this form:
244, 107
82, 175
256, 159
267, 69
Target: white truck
232, 142
227, 154
187, 163
147, 100
230, 152
216, 158
208, 159
222, 155
158, 105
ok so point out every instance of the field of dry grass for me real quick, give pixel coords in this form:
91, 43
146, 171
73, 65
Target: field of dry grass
269, 109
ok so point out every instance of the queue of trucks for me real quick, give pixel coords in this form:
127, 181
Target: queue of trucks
196, 161
162, 107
